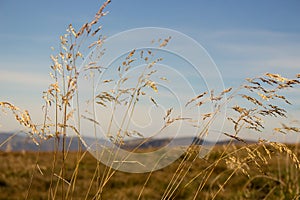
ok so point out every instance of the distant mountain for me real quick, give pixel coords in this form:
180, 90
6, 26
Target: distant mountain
22, 142
156, 143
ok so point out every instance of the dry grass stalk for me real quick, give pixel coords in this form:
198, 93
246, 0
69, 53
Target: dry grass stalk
257, 92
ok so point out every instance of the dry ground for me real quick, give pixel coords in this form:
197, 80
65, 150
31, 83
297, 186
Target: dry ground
20, 178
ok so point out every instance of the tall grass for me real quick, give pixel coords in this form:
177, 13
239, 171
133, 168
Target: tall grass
62, 116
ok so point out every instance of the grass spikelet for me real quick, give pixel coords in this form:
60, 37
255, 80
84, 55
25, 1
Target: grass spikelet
277, 77
193, 174
235, 137
282, 148
226, 91
165, 42
195, 98
234, 163
252, 99
152, 85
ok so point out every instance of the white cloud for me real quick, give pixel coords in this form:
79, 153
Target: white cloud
243, 53
29, 78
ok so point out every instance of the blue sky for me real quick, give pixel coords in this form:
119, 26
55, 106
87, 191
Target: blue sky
244, 38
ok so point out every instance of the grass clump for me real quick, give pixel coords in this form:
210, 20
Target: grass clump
258, 170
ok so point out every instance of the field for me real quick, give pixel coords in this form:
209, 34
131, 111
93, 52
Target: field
135, 98
27, 175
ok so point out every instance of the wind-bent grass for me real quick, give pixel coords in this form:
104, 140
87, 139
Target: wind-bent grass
70, 177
